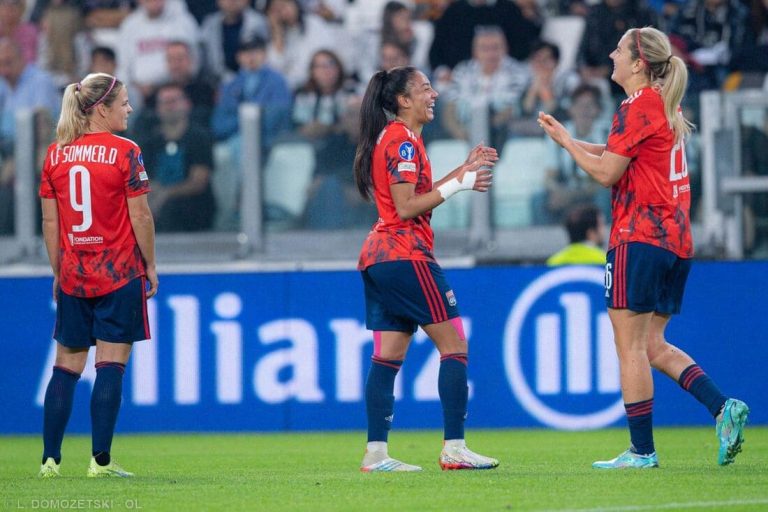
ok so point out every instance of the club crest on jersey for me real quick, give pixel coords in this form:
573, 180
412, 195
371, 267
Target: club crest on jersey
406, 151
406, 167
451, 298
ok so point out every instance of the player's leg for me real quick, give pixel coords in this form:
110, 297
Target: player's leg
391, 337
120, 318
74, 318
633, 272
730, 413
389, 352
57, 406
450, 341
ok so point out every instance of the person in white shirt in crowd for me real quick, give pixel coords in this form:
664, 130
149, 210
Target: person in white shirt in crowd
492, 80
295, 36
143, 38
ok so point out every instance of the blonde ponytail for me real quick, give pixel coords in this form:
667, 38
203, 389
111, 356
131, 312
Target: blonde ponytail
665, 71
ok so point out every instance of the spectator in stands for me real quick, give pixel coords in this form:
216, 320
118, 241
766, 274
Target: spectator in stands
103, 60
707, 33
585, 225
200, 9
754, 54
144, 35
606, 23
392, 55
320, 103
296, 36
223, 31
491, 80
256, 82
397, 27
184, 71
332, 200
12, 26
23, 86
566, 184
455, 30
178, 155
546, 89
60, 23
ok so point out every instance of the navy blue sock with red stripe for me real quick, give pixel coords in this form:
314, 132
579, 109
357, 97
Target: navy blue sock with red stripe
380, 397
640, 419
454, 393
703, 388
105, 404
56, 410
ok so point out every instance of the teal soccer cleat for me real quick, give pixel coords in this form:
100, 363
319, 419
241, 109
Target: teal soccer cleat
629, 460
730, 430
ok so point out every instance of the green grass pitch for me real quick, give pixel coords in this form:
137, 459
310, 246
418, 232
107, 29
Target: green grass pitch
540, 470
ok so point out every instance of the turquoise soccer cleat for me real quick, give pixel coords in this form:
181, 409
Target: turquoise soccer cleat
113, 469
49, 469
730, 430
629, 460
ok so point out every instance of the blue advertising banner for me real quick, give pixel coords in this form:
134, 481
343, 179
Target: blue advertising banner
290, 351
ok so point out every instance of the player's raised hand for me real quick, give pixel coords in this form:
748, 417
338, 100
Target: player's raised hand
484, 152
554, 128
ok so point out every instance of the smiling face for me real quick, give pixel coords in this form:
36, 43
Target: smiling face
624, 66
417, 108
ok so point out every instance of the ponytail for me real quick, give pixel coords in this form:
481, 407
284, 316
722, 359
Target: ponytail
379, 104
79, 101
666, 71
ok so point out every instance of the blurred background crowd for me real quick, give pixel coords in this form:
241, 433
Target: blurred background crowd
189, 66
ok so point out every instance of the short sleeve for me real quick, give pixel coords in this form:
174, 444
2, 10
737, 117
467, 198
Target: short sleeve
402, 162
631, 126
46, 187
136, 179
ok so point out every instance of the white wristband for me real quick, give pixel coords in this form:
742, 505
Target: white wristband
453, 185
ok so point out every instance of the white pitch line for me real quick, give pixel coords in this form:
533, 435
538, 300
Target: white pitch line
665, 506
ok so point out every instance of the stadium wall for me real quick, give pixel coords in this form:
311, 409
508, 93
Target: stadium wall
284, 351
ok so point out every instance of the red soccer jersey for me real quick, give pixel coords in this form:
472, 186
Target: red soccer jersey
399, 157
651, 201
91, 179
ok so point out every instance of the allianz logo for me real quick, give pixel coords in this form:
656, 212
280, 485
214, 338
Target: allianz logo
559, 354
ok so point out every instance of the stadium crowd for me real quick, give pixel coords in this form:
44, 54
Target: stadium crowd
189, 65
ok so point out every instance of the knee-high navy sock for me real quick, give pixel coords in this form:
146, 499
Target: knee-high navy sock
105, 404
56, 410
453, 390
380, 397
703, 388
640, 419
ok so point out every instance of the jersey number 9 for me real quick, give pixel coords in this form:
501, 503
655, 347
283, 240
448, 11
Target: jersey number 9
84, 206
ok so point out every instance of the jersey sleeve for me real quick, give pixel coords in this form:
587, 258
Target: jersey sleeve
632, 124
46, 187
402, 164
136, 179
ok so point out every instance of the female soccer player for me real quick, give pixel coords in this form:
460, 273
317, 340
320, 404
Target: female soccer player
650, 246
404, 286
100, 239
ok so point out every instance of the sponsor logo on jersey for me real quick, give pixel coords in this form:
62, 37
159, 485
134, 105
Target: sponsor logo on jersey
406, 151
143, 176
406, 167
451, 297
85, 240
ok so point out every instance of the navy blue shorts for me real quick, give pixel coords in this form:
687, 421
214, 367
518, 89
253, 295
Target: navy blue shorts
119, 316
402, 295
645, 278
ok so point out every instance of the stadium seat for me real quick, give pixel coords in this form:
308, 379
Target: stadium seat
287, 176
445, 155
518, 176
565, 32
